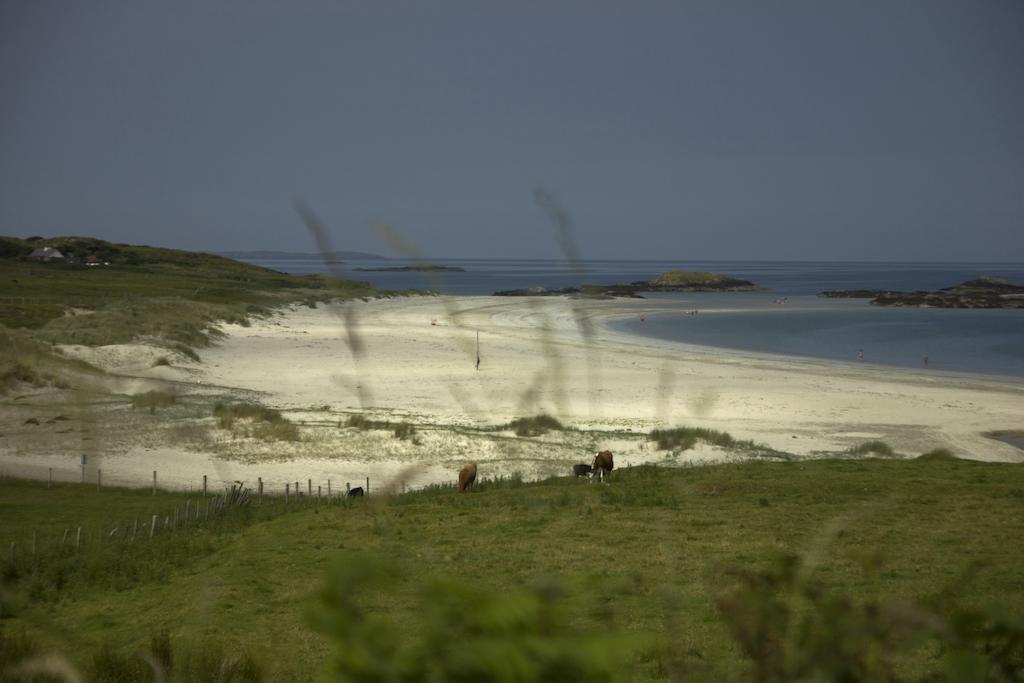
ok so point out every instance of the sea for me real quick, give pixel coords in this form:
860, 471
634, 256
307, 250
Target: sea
787, 318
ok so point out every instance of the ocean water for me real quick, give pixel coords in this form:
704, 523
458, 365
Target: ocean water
976, 341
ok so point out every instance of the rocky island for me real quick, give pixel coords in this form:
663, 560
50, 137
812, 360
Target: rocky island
671, 281
418, 268
982, 292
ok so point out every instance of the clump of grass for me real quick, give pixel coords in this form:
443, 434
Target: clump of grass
228, 413
684, 438
161, 361
534, 426
153, 400
283, 430
937, 454
872, 448
17, 373
404, 431
361, 422
186, 351
271, 425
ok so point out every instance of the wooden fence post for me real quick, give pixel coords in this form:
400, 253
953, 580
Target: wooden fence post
204, 486
188, 509
49, 478
99, 479
152, 527
154, 482
328, 488
286, 493
367, 486
260, 490
318, 491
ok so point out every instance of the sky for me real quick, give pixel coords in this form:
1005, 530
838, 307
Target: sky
721, 129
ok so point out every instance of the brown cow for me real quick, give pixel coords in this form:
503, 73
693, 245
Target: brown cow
467, 475
603, 465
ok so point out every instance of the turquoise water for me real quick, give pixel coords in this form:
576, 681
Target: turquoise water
977, 341
954, 340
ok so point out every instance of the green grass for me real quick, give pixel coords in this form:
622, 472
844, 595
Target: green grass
657, 553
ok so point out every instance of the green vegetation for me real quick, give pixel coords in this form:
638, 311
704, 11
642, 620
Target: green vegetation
402, 430
26, 360
873, 448
165, 294
819, 570
533, 426
684, 438
267, 424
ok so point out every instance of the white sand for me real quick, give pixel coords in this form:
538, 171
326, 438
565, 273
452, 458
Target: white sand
534, 358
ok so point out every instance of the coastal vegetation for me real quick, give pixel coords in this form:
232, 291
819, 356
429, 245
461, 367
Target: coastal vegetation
104, 293
670, 281
769, 571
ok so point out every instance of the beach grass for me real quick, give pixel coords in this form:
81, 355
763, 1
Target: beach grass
663, 557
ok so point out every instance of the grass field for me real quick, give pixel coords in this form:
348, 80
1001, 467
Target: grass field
683, 569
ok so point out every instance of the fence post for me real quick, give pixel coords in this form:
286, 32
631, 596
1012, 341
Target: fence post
286, 493
154, 482
188, 509
152, 527
318, 491
348, 488
367, 486
328, 488
78, 537
99, 479
260, 494
49, 478
204, 486
65, 539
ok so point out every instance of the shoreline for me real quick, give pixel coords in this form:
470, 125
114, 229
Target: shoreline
419, 366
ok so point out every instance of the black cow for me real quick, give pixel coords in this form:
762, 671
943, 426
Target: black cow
357, 491
581, 470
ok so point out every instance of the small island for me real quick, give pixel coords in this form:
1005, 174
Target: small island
670, 281
982, 292
417, 268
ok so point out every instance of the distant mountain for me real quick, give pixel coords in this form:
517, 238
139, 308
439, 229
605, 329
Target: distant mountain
335, 256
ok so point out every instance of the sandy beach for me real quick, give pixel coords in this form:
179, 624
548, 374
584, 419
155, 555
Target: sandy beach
414, 359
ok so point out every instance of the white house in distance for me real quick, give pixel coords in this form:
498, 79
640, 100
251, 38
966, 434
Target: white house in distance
46, 254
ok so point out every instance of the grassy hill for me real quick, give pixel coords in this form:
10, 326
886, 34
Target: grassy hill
167, 294
874, 569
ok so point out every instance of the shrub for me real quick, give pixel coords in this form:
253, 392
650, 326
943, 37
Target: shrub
534, 426
161, 361
271, 424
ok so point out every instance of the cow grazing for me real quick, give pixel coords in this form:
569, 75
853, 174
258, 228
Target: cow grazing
581, 470
357, 491
603, 465
467, 475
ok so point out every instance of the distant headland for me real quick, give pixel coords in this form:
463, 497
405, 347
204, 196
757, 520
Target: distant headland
417, 268
670, 281
982, 292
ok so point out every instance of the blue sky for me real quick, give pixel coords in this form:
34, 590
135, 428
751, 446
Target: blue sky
870, 130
